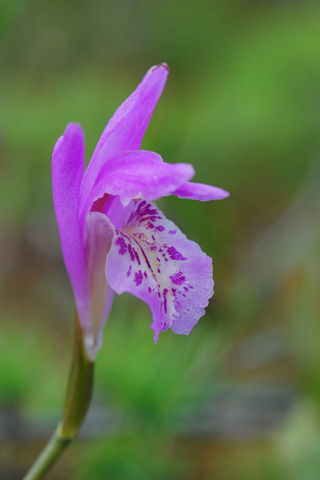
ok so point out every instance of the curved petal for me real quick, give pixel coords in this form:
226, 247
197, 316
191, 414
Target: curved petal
126, 128
67, 171
113, 208
152, 259
138, 174
200, 191
98, 239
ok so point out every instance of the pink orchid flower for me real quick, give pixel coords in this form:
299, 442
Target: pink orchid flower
113, 237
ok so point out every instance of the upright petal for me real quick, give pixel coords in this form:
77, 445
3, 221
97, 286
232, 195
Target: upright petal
126, 128
137, 174
151, 258
67, 171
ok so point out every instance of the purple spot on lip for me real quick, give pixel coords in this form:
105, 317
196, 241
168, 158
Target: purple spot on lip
172, 232
165, 291
122, 244
160, 228
178, 278
131, 252
129, 271
137, 256
145, 256
138, 278
174, 254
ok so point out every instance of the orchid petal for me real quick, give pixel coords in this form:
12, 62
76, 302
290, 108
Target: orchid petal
67, 171
126, 128
200, 191
112, 207
98, 239
138, 174
152, 259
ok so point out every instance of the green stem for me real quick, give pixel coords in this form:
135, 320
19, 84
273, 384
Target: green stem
48, 456
77, 401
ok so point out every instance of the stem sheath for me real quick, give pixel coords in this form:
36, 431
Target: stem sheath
77, 401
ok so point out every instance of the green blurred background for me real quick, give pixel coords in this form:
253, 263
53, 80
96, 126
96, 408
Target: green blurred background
240, 397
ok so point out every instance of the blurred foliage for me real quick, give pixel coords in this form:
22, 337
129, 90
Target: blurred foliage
129, 458
28, 360
18, 379
156, 384
242, 104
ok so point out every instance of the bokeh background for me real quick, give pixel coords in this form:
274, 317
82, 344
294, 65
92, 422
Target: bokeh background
240, 397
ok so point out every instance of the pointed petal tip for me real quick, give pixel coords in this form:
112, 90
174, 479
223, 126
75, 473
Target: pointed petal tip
200, 191
73, 133
161, 65
73, 128
223, 194
156, 332
159, 72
